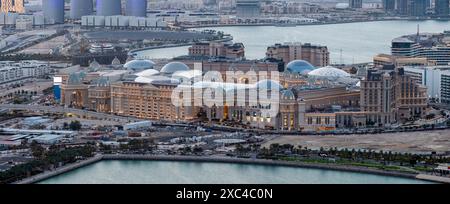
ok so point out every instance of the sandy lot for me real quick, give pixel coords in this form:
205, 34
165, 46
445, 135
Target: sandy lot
412, 142
46, 46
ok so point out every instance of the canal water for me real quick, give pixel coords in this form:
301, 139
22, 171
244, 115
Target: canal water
348, 43
177, 172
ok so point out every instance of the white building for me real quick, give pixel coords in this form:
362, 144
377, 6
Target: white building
138, 125
47, 139
122, 22
24, 24
14, 73
435, 78
13, 19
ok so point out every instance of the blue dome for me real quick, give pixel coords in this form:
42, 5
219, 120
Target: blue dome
139, 65
299, 67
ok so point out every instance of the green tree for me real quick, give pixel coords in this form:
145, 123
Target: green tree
37, 150
75, 125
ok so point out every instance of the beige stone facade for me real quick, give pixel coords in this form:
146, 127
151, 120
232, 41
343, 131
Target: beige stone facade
317, 55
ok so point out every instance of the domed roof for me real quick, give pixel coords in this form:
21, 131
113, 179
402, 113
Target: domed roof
299, 67
173, 67
116, 62
94, 66
139, 64
76, 78
156, 80
287, 95
268, 85
187, 74
148, 73
329, 72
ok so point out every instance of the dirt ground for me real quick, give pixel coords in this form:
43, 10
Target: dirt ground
45, 47
412, 142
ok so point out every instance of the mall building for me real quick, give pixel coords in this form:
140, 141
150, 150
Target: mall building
299, 97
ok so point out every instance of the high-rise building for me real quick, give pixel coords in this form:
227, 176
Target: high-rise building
431, 46
109, 7
12, 6
248, 8
53, 11
317, 55
441, 7
355, 3
435, 78
136, 8
210, 2
402, 7
389, 5
79, 8
417, 8
389, 96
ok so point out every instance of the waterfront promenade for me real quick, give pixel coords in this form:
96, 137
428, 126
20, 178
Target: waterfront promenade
355, 169
61, 170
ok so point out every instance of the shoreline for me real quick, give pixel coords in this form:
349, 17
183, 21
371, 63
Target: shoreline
218, 26
132, 52
296, 24
311, 24
332, 167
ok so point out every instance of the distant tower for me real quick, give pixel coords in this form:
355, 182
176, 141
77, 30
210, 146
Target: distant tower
441, 8
79, 8
355, 3
14, 6
417, 8
388, 5
53, 11
248, 8
109, 7
402, 7
136, 8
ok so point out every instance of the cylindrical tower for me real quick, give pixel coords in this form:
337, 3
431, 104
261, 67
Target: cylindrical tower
136, 8
109, 7
53, 11
79, 8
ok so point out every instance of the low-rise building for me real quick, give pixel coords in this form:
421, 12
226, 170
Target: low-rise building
400, 61
15, 73
317, 55
218, 50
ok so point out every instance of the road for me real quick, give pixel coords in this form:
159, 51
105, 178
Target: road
59, 109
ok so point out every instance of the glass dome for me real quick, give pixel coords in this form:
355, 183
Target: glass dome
268, 85
174, 67
329, 72
156, 80
299, 67
148, 73
139, 64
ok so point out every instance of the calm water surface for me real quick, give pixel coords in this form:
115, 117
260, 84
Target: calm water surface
359, 42
174, 172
